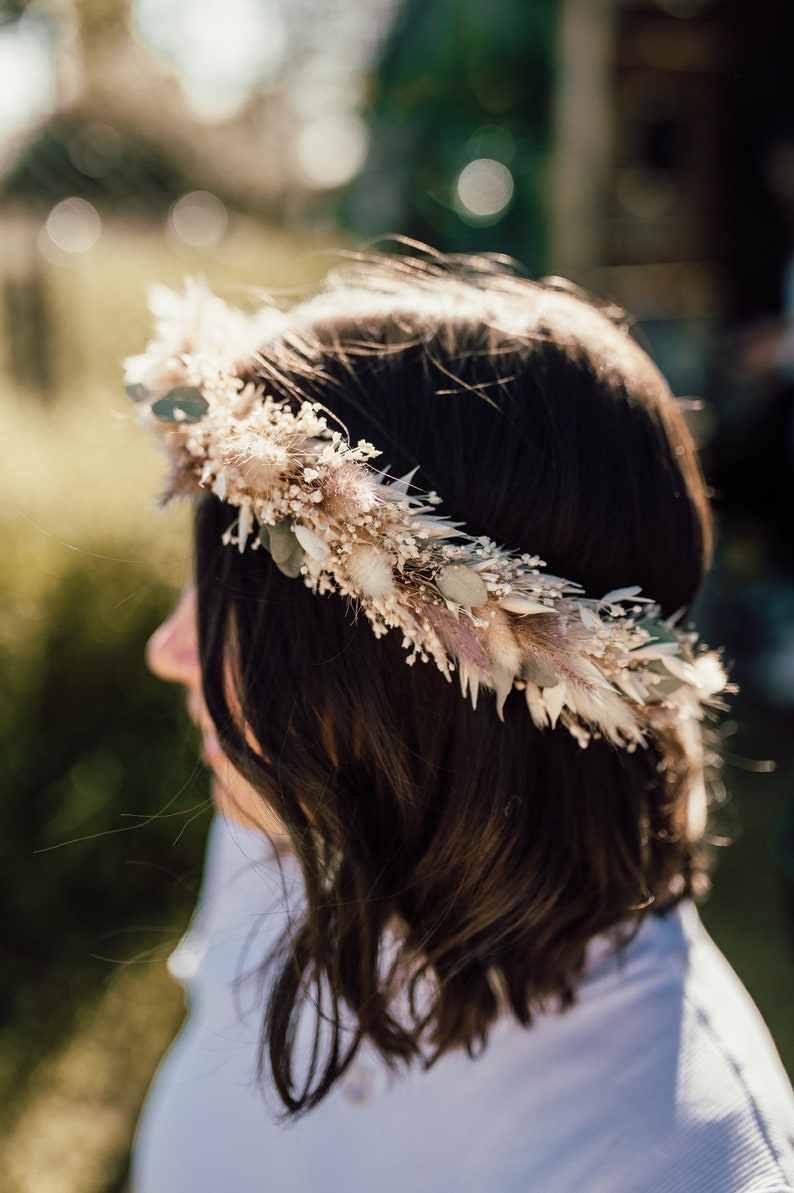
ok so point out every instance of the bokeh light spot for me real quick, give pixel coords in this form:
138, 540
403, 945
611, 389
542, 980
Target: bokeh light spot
198, 219
73, 225
484, 189
331, 150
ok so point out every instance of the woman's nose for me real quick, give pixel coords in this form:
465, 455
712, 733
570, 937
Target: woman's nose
172, 650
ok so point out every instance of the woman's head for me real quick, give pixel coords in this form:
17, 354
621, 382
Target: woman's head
495, 850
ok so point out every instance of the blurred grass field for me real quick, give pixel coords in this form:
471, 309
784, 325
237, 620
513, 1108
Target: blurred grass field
104, 805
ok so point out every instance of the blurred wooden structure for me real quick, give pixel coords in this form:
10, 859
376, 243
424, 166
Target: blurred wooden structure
673, 184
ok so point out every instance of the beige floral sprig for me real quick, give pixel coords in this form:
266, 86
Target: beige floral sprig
608, 668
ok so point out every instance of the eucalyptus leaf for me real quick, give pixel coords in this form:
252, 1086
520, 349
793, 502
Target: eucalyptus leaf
667, 685
657, 632
291, 566
285, 550
283, 544
462, 585
184, 404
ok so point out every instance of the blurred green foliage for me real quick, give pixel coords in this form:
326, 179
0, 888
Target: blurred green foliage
105, 803
457, 81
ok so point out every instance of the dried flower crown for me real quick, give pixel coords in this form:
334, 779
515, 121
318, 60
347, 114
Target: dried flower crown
609, 668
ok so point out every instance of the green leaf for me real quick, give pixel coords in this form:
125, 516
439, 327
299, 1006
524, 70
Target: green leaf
286, 551
292, 566
657, 632
184, 404
282, 541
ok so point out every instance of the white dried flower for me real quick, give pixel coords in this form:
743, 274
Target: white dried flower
370, 571
323, 512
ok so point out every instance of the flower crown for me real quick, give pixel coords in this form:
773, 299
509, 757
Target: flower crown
611, 668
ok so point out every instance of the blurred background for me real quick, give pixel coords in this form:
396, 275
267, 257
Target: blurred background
644, 148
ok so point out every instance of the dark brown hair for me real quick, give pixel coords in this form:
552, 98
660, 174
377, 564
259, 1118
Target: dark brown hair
455, 866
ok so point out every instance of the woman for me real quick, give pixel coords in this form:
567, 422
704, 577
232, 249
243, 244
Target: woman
446, 943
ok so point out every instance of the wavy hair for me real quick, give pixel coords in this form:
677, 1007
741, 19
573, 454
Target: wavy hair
455, 866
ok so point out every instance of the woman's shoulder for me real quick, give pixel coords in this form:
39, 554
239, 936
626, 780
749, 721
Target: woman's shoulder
663, 1062
661, 1076
729, 1069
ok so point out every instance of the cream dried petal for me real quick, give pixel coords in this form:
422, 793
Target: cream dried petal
522, 605
312, 544
536, 705
620, 594
656, 650
554, 699
244, 527
681, 670
589, 618
711, 677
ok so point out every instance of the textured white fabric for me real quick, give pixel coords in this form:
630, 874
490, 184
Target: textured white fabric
661, 1079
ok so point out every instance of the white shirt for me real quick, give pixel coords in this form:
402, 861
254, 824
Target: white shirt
661, 1079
